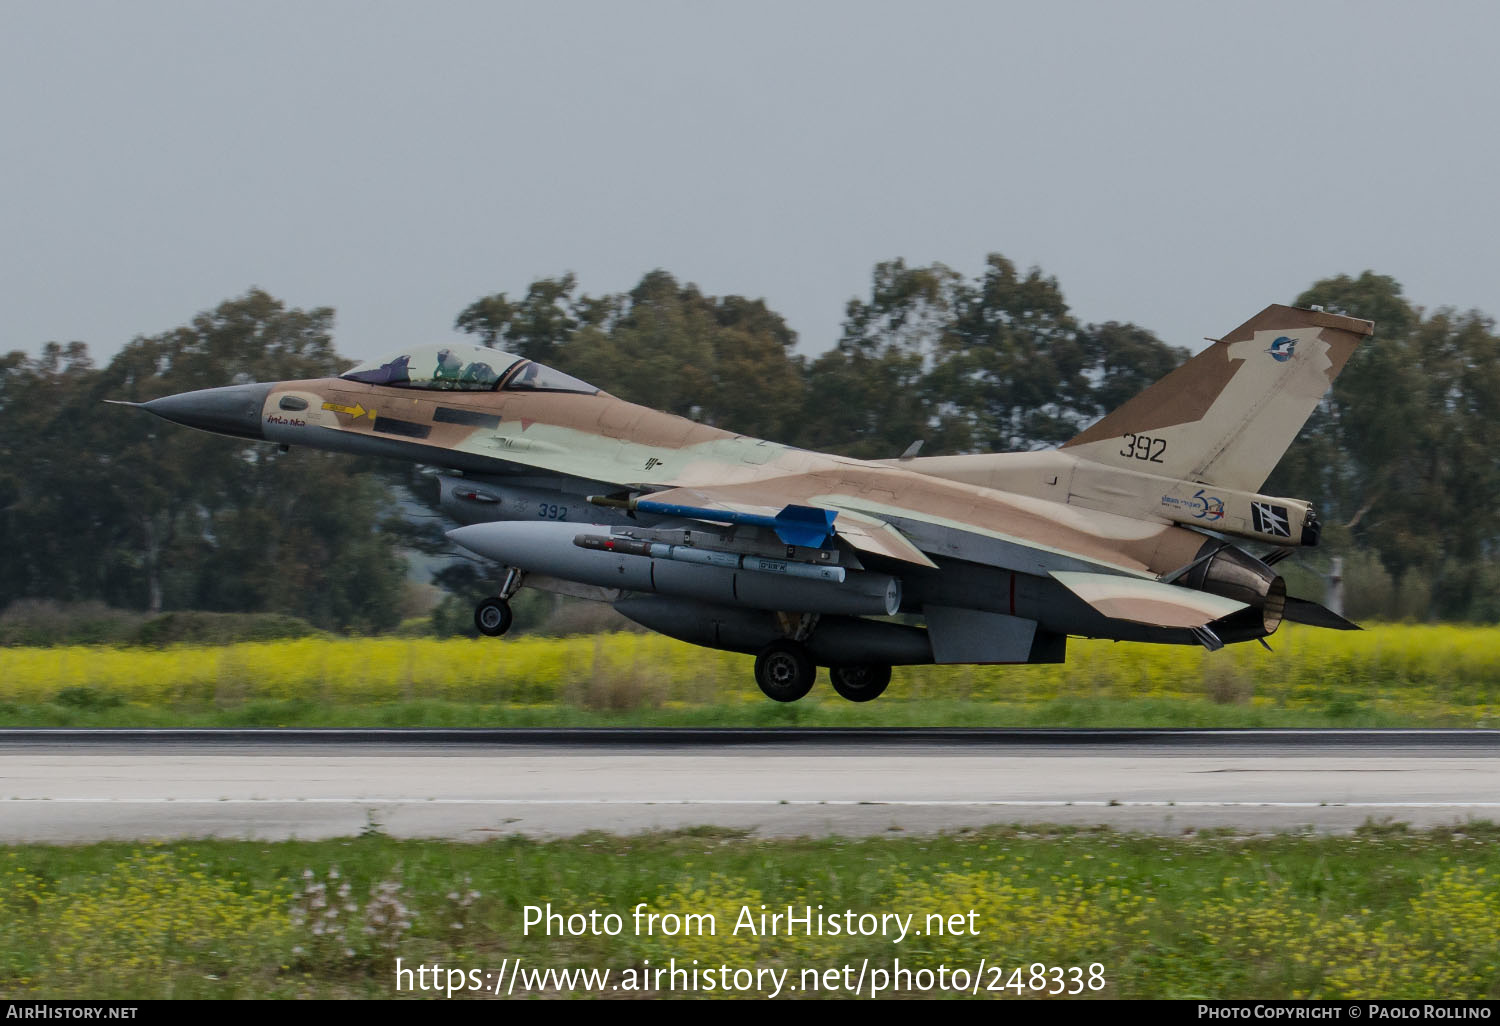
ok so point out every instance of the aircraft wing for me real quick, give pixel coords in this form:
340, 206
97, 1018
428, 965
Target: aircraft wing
790, 520
878, 538
901, 533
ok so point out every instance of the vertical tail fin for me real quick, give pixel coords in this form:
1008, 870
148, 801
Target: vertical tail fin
1228, 414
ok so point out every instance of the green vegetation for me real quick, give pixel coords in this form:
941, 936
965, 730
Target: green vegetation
1390, 676
110, 506
46, 624
1383, 912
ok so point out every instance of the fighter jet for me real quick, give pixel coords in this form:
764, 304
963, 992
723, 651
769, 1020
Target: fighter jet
1129, 531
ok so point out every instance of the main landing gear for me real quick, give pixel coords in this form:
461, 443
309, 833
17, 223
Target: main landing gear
785, 672
860, 683
493, 617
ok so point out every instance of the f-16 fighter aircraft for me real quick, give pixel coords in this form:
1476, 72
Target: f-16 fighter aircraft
801, 558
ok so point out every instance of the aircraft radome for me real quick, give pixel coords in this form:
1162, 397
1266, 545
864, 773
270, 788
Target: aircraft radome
800, 557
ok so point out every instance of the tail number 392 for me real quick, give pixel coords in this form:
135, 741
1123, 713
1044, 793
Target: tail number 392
1144, 447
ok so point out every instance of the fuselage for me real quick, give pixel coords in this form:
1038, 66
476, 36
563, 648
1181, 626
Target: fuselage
540, 455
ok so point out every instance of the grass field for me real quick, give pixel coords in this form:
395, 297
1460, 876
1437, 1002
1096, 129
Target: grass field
1381, 913
1386, 676
1384, 912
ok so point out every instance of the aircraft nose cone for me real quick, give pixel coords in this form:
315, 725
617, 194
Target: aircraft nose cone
231, 410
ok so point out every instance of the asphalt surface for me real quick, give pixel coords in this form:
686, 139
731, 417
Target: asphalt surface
83, 785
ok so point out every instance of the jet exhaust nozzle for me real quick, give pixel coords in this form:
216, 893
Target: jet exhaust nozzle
1235, 574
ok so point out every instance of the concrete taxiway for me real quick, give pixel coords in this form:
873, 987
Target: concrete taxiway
75, 786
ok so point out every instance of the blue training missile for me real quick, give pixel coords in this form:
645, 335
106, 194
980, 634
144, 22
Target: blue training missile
808, 526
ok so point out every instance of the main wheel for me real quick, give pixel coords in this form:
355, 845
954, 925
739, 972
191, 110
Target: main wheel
493, 617
784, 671
860, 683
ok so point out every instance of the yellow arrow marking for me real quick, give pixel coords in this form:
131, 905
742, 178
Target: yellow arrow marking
356, 411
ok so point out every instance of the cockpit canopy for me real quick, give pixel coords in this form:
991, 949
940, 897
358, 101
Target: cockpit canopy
448, 367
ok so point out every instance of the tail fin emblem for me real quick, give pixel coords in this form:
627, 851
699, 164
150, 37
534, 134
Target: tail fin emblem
1282, 349
1269, 519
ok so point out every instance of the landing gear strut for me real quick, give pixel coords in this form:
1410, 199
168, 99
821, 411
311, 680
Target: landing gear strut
784, 671
860, 683
493, 616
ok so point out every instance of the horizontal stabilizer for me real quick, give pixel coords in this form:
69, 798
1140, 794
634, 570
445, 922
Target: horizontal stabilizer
1314, 615
1148, 602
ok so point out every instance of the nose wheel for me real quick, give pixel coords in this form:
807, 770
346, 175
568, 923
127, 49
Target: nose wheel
784, 671
860, 683
493, 617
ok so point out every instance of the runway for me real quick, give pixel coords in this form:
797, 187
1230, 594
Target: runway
77, 786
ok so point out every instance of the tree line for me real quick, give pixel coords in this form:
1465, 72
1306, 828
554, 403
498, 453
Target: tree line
116, 506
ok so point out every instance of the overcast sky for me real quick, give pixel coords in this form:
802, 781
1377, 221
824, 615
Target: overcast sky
1179, 165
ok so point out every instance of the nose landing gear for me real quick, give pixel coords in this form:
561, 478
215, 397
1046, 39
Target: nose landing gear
493, 617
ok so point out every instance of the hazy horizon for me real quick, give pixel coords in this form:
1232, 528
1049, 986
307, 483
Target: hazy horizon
1171, 164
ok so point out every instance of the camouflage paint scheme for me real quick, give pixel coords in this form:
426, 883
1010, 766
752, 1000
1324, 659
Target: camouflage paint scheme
1107, 536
